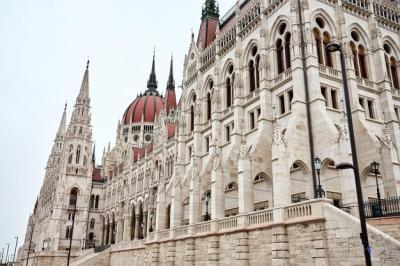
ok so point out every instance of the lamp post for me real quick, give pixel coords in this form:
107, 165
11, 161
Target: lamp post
207, 197
8, 246
330, 48
2, 254
15, 249
320, 193
73, 201
375, 170
30, 242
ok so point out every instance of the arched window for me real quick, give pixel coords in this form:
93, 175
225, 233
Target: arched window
68, 232
78, 154
91, 201
70, 158
73, 196
322, 38
92, 223
80, 130
359, 56
288, 36
254, 69
96, 205
229, 86
168, 218
192, 113
282, 46
210, 87
391, 66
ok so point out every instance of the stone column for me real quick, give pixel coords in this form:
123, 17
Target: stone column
103, 232
176, 205
127, 228
245, 181
194, 199
120, 230
110, 233
160, 210
145, 214
217, 189
137, 226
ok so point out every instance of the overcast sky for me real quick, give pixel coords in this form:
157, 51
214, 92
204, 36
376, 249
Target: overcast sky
44, 45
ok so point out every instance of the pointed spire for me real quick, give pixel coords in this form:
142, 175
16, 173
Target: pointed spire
84, 92
171, 81
63, 123
152, 83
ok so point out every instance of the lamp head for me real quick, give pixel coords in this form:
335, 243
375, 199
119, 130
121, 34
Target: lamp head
317, 164
375, 167
333, 47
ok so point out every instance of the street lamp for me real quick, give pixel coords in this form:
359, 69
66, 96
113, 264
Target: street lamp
375, 170
15, 249
8, 246
207, 197
330, 48
73, 200
320, 191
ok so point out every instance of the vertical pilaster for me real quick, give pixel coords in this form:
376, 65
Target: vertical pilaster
194, 198
160, 213
171, 253
155, 254
137, 226
280, 247
120, 230
213, 250
145, 215
190, 252
242, 250
245, 181
127, 228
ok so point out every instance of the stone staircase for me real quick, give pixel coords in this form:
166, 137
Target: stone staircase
98, 257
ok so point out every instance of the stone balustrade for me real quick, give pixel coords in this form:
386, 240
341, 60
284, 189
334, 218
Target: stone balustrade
306, 210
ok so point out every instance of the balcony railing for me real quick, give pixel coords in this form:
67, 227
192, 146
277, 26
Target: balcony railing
386, 208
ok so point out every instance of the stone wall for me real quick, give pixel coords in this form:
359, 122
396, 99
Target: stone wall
327, 237
389, 225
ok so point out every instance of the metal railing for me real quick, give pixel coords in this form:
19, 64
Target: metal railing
385, 208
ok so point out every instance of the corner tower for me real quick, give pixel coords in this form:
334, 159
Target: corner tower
209, 24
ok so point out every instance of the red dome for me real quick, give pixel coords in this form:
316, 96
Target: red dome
146, 107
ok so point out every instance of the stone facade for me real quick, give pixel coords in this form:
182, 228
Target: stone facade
226, 176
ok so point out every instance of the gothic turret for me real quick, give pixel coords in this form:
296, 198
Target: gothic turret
170, 96
79, 132
152, 83
209, 23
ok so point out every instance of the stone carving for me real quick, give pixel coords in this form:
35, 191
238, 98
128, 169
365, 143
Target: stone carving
279, 135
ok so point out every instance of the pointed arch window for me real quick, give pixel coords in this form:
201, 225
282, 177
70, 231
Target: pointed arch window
254, 69
229, 86
210, 88
391, 66
359, 56
70, 158
92, 223
73, 196
96, 204
282, 47
192, 113
92, 201
322, 38
78, 154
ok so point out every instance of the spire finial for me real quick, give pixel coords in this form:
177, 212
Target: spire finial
152, 83
87, 64
171, 81
63, 123
84, 92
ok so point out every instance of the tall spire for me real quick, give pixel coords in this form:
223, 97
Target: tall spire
152, 83
63, 123
84, 92
171, 81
